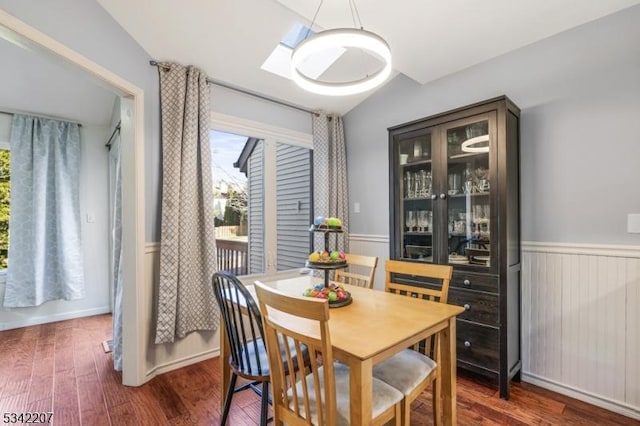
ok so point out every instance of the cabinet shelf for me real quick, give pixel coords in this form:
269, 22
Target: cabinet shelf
473, 194
416, 163
418, 199
466, 155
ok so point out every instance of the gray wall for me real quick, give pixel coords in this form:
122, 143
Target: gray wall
237, 104
86, 27
579, 93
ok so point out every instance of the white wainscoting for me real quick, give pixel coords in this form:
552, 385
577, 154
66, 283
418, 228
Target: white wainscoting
195, 347
372, 245
580, 318
581, 322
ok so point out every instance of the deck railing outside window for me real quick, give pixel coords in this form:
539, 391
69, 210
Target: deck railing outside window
232, 256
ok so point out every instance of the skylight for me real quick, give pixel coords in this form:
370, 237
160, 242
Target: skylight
279, 61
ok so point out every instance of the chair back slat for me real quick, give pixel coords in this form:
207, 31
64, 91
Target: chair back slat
360, 271
243, 325
442, 273
309, 395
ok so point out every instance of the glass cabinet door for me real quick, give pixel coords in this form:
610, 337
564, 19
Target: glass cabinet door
469, 186
415, 212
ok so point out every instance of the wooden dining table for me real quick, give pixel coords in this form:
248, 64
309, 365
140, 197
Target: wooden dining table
374, 327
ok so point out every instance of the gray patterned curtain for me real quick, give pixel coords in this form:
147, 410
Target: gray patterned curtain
331, 193
187, 255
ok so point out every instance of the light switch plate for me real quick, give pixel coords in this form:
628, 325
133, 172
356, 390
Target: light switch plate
356, 207
633, 223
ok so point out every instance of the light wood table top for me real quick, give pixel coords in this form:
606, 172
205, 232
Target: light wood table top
377, 325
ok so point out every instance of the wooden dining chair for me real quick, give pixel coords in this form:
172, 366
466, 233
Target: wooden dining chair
413, 370
320, 395
361, 270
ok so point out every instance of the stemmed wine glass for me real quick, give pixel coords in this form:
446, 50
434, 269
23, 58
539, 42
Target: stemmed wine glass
410, 220
410, 185
422, 220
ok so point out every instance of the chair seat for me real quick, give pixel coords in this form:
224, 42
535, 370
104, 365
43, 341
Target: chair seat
384, 396
405, 370
259, 365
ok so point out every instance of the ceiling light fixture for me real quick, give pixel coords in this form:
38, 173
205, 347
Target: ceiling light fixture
341, 38
468, 145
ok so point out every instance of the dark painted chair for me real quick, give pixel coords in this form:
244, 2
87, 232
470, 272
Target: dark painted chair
245, 338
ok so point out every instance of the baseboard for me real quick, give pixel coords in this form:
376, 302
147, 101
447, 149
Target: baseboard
182, 362
54, 318
608, 404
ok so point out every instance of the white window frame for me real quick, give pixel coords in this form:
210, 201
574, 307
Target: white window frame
271, 135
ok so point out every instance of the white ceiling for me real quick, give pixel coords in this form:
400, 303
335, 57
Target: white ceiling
41, 85
230, 39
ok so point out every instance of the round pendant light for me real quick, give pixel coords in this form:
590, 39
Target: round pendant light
470, 144
345, 38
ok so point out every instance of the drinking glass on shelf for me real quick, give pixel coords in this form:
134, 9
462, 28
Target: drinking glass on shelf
410, 220
410, 184
418, 184
454, 183
423, 183
422, 220
468, 187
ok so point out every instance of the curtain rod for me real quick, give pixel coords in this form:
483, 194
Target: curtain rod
117, 129
50, 117
245, 91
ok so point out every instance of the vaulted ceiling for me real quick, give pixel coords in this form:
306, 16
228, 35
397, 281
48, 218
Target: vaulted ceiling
230, 39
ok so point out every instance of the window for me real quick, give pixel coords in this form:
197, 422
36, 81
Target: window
5, 161
279, 61
275, 196
230, 200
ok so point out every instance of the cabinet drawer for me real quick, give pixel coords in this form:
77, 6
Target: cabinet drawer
477, 344
479, 282
479, 307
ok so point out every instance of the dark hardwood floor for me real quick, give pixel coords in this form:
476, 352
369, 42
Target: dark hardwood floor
61, 367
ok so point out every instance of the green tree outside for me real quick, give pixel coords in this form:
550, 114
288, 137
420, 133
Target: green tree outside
5, 174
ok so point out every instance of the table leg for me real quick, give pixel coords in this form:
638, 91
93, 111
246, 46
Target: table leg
448, 358
361, 391
225, 373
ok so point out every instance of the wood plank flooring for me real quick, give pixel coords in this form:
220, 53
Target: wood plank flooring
62, 367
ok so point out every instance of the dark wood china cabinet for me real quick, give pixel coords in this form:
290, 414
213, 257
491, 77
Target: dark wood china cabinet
454, 199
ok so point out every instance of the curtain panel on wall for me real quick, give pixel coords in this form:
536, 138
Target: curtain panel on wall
45, 248
115, 184
187, 253
330, 190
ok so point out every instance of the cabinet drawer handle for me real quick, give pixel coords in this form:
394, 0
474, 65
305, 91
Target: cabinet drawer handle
467, 344
467, 283
443, 196
434, 196
467, 306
